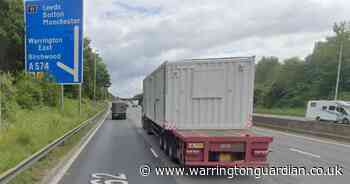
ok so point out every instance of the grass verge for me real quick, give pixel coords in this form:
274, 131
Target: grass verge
300, 112
30, 130
41, 169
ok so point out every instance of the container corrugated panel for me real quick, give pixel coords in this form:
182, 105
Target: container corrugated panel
201, 94
154, 99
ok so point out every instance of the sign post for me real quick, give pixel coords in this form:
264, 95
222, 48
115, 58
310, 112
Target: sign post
95, 74
54, 40
62, 98
80, 90
0, 101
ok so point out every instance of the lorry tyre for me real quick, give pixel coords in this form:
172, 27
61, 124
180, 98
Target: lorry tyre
171, 152
345, 121
318, 118
148, 129
166, 146
143, 123
161, 142
147, 125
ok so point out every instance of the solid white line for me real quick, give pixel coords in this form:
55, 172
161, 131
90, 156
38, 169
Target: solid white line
154, 153
304, 137
65, 168
305, 153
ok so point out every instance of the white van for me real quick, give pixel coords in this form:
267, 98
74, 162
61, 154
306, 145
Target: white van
337, 111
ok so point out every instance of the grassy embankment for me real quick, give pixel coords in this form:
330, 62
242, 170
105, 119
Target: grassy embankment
300, 112
31, 130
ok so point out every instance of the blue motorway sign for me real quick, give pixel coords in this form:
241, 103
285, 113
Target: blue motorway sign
54, 39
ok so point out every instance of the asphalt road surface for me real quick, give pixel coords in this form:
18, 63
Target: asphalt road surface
120, 147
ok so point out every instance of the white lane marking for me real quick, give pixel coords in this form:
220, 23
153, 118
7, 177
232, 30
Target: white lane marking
304, 137
305, 153
154, 153
57, 178
103, 178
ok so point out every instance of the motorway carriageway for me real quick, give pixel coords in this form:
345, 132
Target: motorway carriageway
120, 147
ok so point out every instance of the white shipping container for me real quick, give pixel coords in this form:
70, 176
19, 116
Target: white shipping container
197, 94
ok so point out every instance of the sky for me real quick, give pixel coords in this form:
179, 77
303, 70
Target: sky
135, 36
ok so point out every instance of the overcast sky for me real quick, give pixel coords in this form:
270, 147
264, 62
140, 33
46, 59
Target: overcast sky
135, 36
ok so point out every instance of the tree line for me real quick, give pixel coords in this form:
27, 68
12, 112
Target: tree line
294, 81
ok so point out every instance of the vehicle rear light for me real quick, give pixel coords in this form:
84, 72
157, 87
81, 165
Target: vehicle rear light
260, 153
195, 145
194, 155
193, 151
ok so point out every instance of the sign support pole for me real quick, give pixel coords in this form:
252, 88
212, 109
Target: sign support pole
80, 91
95, 62
62, 97
0, 102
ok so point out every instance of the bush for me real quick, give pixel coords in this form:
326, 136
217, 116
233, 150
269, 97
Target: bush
50, 93
7, 91
29, 93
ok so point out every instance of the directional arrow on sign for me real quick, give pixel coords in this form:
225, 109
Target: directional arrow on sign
73, 71
66, 68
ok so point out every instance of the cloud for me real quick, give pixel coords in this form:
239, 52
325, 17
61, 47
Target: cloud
135, 36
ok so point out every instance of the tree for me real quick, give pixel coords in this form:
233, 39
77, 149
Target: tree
11, 36
267, 71
342, 35
294, 82
103, 80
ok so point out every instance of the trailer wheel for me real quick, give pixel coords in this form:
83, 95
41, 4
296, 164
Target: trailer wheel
345, 121
148, 126
173, 152
143, 123
161, 142
148, 130
318, 118
166, 147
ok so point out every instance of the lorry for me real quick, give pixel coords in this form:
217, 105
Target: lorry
119, 110
328, 110
201, 112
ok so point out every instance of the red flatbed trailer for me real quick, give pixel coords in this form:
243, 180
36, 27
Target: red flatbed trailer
211, 148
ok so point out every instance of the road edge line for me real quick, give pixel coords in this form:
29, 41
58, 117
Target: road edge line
62, 170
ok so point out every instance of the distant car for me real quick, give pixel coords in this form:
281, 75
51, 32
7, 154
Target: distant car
119, 110
134, 106
336, 111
